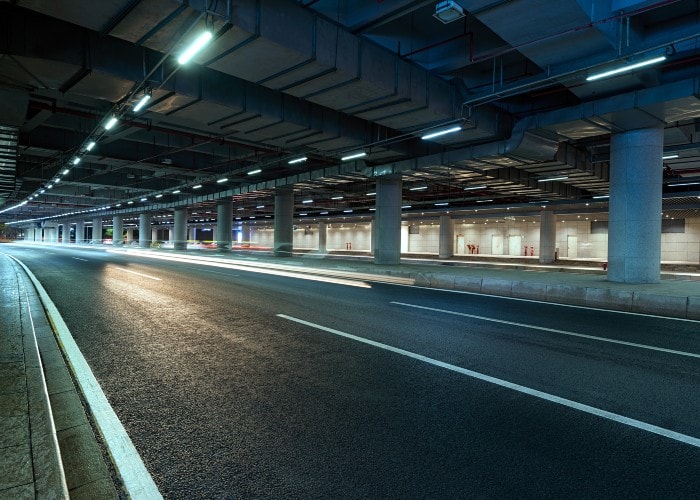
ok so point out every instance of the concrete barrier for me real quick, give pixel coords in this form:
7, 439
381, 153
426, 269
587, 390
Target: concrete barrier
663, 305
606, 298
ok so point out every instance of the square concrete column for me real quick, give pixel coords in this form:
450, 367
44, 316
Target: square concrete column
80, 232
65, 233
388, 220
144, 230
284, 221
548, 236
245, 235
634, 222
224, 225
180, 229
171, 234
97, 230
129, 235
117, 230
322, 237
447, 237
154, 234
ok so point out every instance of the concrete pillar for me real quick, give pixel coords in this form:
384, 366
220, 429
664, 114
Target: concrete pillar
224, 225
388, 220
80, 232
117, 230
372, 236
97, 229
634, 221
129, 235
192, 233
446, 243
65, 233
548, 236
322, 237
144, 230
171, 234
284, 221
245, 235
154, 234
180, 229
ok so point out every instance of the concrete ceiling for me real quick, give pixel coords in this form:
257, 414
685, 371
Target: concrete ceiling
325, 78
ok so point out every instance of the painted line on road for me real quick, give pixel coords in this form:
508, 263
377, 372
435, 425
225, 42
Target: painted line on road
551, 330
631, 422
78, 258
136, 479
137, 273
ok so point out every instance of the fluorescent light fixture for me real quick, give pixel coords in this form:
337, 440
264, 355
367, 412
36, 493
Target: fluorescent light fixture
118, 205
49, 186
601, 197
307, 201
347, 211
323, 213
483, 201
625, 69
144, 199
221, 181
685, 184
199, 43
304, 213
353, 156
474, 188
419, 188
177, 191
298, 160
76, 160
372, 193
111, 122
372, 209
446, 131
159, 195
65, 171
670, 156
406, 206
129, 202
549, 179
443, 204
260, 206
256, 171
42, 191
337, 197
90, 146
142, 102
56, 181
198, 186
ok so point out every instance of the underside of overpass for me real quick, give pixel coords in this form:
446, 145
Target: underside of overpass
322, 80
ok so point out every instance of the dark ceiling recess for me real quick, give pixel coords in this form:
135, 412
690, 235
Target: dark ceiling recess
324, 79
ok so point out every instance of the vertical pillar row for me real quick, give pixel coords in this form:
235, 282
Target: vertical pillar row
144, 230
548, 236
322, 237
97, 230
180, 229
447, 236
388, 220
284, 221
224, 225
634, 221
117, 231
80, 232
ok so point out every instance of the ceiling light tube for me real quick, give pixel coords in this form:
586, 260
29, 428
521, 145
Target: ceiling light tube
221, 181
177, 191
111, 122
323, 213
90, 146
347, 211
142, 102
672, 156
685, 184
353, 156
443, 204
474, 188
371, 194
601, 196
483, 201
419, 188
625, 69
76, 160
159, 195
549, 179
256, 171
197, 186
199, 43
144, 199
129, 202
337, 197
297, 160
65, 171
450, 130
307, 201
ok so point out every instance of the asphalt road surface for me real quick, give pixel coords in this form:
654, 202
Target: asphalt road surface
238, 384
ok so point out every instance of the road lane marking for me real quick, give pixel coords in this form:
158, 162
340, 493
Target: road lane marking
551, 330
78, 258
136, 479
592, 410
137, 273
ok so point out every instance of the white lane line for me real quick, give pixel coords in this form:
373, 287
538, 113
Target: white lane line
131, 469
137, 273
78, 258
552, 330
677, 436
